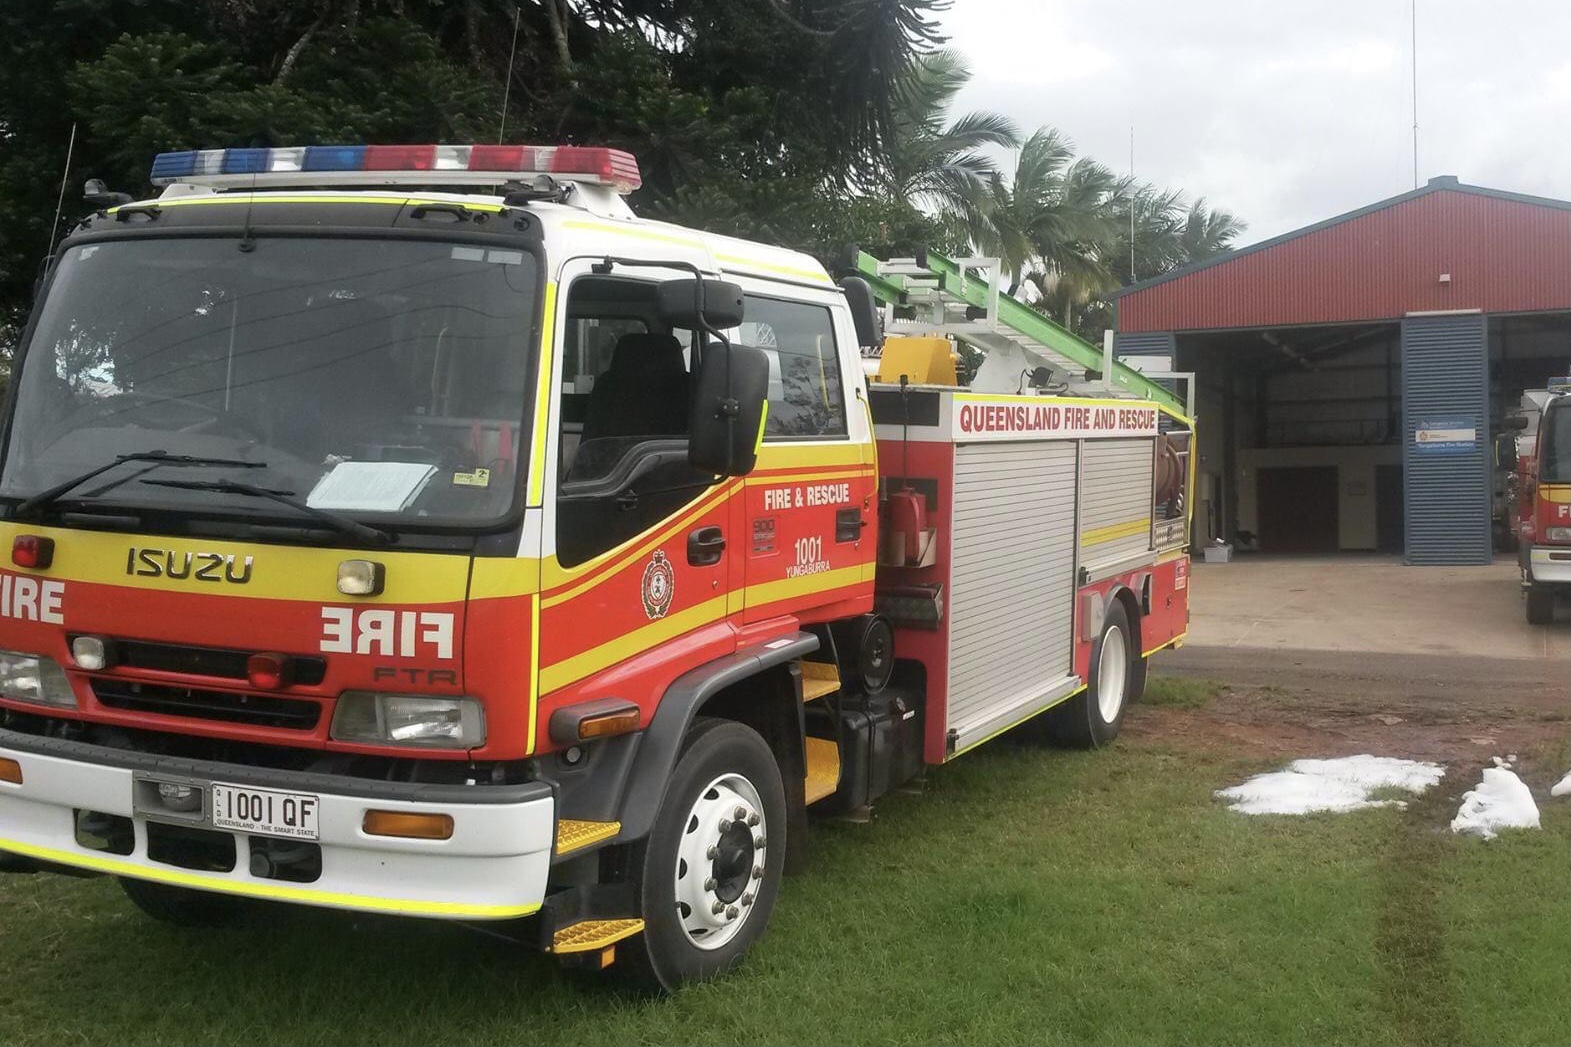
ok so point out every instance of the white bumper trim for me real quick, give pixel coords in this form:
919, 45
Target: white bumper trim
1545, 569
494, 867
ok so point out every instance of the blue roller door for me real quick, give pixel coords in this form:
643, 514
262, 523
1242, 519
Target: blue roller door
1445, 414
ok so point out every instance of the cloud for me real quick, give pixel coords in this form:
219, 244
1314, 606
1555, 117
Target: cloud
1284, 114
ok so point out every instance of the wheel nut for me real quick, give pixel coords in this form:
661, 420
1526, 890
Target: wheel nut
713, 852
710, 884
717, 908
732, 913
759, 842
725, 825
758, 872
747, 899
739, 813
752, 819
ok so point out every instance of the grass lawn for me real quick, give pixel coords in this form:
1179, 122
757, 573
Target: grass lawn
1027, 897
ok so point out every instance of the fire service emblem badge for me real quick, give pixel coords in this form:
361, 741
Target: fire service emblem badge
659, 586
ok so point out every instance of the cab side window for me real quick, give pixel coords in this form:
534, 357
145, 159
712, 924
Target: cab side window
806, 394
625, 396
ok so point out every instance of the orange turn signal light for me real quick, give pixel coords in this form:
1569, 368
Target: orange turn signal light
410, 825
10, 771
607, 724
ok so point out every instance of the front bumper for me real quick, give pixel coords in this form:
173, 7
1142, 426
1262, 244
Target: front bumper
493, 867
1550, 563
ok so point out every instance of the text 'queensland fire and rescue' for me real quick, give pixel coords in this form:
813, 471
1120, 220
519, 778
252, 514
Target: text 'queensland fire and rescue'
980, 419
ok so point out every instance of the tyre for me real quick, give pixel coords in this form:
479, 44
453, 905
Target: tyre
1540, 604
708, 874
1092, 718
1139, 668
181, 906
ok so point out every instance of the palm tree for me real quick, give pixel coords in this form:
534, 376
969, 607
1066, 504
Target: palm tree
937, 165
1049, 217
1208, 232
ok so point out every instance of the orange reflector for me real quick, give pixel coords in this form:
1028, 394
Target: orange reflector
411, 825
607, 956
10, 771
607, 724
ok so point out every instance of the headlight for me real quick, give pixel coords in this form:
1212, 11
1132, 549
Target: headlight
33, 678
408, 719
1557, 534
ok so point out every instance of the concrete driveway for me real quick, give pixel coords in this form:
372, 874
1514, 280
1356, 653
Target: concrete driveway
1375, 604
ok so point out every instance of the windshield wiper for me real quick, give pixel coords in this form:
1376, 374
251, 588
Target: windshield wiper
43, 498
343, 524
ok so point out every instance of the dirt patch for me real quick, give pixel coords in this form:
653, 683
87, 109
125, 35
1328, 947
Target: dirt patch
1298, 704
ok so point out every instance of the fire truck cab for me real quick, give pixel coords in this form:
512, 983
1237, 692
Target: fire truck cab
413, 529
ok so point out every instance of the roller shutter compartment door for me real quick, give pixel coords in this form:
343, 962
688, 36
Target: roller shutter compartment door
1445, 421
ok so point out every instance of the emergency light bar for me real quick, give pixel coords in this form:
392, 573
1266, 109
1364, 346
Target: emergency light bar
318, 165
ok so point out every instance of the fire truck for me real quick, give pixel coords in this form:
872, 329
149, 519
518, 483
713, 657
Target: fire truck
1541, 490
415, 530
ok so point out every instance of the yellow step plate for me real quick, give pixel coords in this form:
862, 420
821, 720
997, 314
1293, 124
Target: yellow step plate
590, 935
823, 768
571, 835
819, 679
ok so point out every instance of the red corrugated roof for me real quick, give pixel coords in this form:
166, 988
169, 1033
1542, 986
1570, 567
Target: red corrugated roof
1503, 252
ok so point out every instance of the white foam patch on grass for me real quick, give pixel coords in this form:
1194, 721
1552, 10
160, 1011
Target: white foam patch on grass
1344, 784
1501, 801
1562, 787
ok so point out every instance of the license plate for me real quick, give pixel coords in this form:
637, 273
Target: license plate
265, 811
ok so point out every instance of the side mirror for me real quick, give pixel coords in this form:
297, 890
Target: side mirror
727, 421
864, 311
1505, 450
1514, 422
697, 305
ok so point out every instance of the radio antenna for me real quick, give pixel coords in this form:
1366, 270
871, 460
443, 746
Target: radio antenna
507, 86
65, 177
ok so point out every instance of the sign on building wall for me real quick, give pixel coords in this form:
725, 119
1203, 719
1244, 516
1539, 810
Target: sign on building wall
1445, 434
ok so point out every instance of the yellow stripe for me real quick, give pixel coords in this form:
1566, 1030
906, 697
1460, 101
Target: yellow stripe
634, 231
320, 198
277, 892
593, 572
785, 588
534, 669
1176, 416
1176, 641
1017, 723
628, 644
808, 456
1077, 401
502, 576
542, 397
1113, 532
279, 572
771, 267
812, 477
1555, 494
1169, 557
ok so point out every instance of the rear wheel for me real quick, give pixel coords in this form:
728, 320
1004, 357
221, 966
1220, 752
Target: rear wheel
1092, 718
1540, 604
181, 906
709, 872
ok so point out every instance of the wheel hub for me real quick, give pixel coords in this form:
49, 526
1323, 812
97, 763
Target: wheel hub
720, 861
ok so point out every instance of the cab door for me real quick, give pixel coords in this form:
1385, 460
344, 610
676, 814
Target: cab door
637, 544
809, 504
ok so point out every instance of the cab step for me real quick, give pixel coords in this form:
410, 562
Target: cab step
819, 679
823, 768
589, 935
573, 835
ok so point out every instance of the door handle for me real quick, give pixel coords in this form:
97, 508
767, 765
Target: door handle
705, 546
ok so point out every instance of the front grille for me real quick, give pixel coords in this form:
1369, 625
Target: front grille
258, 710
205, 661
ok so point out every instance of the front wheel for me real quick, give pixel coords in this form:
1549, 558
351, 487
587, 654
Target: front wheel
708, 874
1092, 718
1540, 604
182, 906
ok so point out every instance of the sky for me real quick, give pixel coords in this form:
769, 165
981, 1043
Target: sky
1285, 112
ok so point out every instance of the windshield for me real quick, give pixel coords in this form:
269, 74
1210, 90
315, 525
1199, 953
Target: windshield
375, 377
1554, 437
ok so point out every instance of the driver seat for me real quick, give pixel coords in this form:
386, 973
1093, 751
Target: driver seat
643, 393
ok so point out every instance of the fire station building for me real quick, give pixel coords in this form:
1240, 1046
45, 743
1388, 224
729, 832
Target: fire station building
1352, 375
